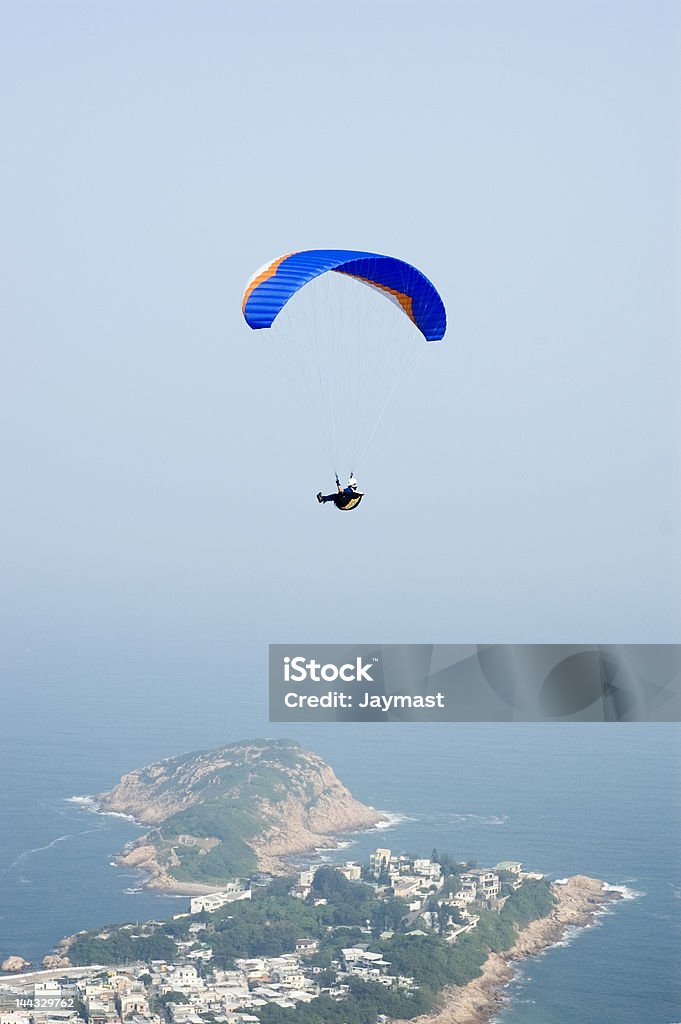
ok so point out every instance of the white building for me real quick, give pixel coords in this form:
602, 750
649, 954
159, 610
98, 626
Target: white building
214, 900
353, 872
428, 868
379, 861
201, 954
182, 978
134, 1004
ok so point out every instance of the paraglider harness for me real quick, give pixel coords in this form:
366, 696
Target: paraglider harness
346, 499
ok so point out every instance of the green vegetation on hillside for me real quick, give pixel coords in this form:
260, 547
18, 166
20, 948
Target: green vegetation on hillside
272, 922
122, 945
232, 823
211, 807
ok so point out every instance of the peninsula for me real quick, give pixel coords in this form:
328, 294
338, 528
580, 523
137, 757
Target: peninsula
219, 814
402, 937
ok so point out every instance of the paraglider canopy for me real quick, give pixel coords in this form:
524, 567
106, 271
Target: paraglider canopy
272, 286
341, 347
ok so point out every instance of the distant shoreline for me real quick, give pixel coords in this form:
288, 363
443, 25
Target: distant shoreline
580, 900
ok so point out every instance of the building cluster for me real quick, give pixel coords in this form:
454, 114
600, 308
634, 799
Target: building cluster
161, 992
411, 879
237, 994
415, 880
394, 866
480, 887
361, 962
102, 996
177, 992
479, 884
190, 989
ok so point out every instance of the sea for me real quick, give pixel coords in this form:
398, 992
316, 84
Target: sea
599, 799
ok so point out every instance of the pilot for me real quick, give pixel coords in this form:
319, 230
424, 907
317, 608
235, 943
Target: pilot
342, 495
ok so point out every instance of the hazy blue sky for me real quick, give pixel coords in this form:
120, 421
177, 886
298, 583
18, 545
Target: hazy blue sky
524, 155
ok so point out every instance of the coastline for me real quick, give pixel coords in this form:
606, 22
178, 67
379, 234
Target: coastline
580, 899
141, 855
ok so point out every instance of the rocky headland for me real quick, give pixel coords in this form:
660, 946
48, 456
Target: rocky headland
223, 813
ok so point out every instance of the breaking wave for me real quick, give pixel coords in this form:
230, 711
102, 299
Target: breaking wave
625, 891
88, 803
392, 820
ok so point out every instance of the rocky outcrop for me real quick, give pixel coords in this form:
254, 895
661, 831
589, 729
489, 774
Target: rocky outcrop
54, 961
578, 899
270, 795
302, 822
14, 963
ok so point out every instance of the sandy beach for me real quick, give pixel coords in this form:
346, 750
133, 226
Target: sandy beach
579, 899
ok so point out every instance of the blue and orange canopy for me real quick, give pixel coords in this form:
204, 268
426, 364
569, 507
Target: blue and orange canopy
272, 286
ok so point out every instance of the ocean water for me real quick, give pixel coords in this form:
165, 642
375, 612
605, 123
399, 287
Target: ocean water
596, 799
